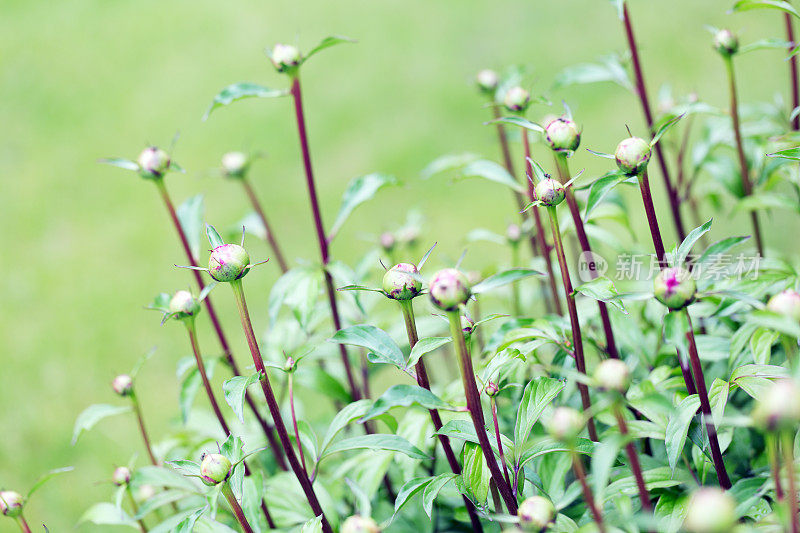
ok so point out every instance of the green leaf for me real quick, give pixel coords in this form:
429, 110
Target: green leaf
663, 129
190, 385
678, 427
504, 278
376, 441
313, 526
762, 371
712, 254
601, 288
789, 153
600, 189
761, 345
406, 396
538, 394
235, 390
764, 200
213, 236
747, 5
127, 164
190, 215
408, 490
610, 68
359, 191
764, 44
775, 321
671, 511
603, 459
521, 122
475, 472
689, 241
447, 163
94, 414
548, 445
382, 348
426, 346
483, 168
162, 477
346, 415
47, 477
327, 42
433, 488
718, 398
239, 91
107, 514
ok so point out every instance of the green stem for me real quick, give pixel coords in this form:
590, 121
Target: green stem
201, 368
577, 341
135, 508
294, 423
476, 411
236, 508
788, 462
23, 525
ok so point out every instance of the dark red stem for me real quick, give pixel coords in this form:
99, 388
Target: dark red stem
236, 508
577, 466
273, 243
140, 419
201, 368
787, 17
633, 459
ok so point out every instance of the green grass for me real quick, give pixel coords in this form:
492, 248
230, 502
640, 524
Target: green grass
86, 246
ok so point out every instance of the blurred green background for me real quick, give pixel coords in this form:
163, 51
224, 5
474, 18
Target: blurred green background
86, 246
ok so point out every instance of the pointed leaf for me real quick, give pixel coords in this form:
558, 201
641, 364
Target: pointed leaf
94, 414
521, 122
120, 162
405, 396
107, 514
600, 189
483, 168
47, 477
238, 91
538, 394
504, 278
425, 346
678, 426
690, 240
359, 191
432, 490
475, 472
747, 5
213, 236
235, 390
663, 129
382, 348
327, 42
601, 288
447, 163
376, 441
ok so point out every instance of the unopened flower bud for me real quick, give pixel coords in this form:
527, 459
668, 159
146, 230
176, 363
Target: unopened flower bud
726, 43
467, 325
121, 476
632, 155
122, 385
387, 241
153, 162
214, 469
228, 262
535, 513
487, 81
290, 365
491, 389
401, 282
11, 503
449, 288
145, 492
613, 374
550, 192
517, 99
285, 57
778, 407
786, 303
360, 524
710, 510
234, 164
674, 287
562, 135
565, 424
183, 304
513, 233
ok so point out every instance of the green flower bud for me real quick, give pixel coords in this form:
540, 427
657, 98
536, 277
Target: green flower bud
401, 282
11, 503
550, 192
710, 510
535, 513
285, 57
632, 155
123, 385
565, 424
491, 389
184, 305
290, 365
613, 374
214, 469
360, 524
786, 303
517, 99
562, 135
228, 262
779, 406
234, 164
487, 81
467, 325
153, 162
726, 43
449, 288
674, 287
121, 476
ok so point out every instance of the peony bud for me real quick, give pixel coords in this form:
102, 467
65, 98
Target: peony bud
778, 407
513, 233
285, 57
517, 99
535, 513
449, 288
360, 524
401, 282
710, 510
121, 476
550, 192
632, 155
214, 469
613, 374
234, 164
491, 389
565, 424
786, 303
487, 81
145, 492
228, 262
674, 287
388, 241
184, 305
123, 385
726, 43
153, 162
562, 135
11, 503
290, 365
